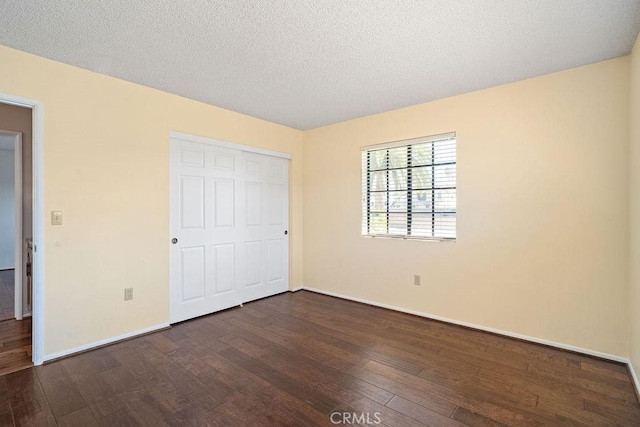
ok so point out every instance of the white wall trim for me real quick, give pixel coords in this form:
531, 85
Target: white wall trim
586, 351
225, 144
299, 288
37, 142
18, 302
106, 341
634, 377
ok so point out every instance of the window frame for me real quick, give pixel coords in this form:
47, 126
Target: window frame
410, 167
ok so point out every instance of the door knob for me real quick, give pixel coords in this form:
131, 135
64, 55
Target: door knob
174, 240
286, 232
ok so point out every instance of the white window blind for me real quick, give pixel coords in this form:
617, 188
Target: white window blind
409, 188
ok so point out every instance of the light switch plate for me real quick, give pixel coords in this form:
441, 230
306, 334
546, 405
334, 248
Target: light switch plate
128, 294
56, 217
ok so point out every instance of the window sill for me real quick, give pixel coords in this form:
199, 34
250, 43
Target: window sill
421, 239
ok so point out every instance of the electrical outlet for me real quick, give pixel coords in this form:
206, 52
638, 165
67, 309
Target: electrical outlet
417, 280
128, 294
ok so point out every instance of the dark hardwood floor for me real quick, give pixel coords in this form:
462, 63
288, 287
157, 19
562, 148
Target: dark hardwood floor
15, 345
7, 297
15, 336
296, 359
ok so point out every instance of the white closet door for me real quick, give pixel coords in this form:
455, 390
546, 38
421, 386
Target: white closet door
265, 222
223, 228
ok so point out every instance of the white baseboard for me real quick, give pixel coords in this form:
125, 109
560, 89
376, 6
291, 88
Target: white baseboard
634, 376
586, 351
95, 344
299, 288
561, 346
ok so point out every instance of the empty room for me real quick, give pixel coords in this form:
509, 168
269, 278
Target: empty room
266, 213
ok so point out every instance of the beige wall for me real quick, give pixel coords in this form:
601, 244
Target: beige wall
542, 201
635, 207
106, 167
18, 119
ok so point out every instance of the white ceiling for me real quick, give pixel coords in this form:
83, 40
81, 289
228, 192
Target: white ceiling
308, 63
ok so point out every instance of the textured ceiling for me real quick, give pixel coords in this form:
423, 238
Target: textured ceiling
307, 63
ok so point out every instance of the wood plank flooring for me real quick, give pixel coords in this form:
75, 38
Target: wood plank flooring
15, 345
304, 359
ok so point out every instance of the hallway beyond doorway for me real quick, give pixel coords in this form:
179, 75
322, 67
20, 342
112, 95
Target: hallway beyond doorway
7, 295
15, 345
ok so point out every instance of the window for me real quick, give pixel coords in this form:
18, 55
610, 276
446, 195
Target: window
409, 188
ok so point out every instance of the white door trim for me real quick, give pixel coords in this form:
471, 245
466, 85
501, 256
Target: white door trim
18, 240
225, 144
37, 142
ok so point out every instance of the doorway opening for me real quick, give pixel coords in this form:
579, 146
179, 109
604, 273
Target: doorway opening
21, 220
